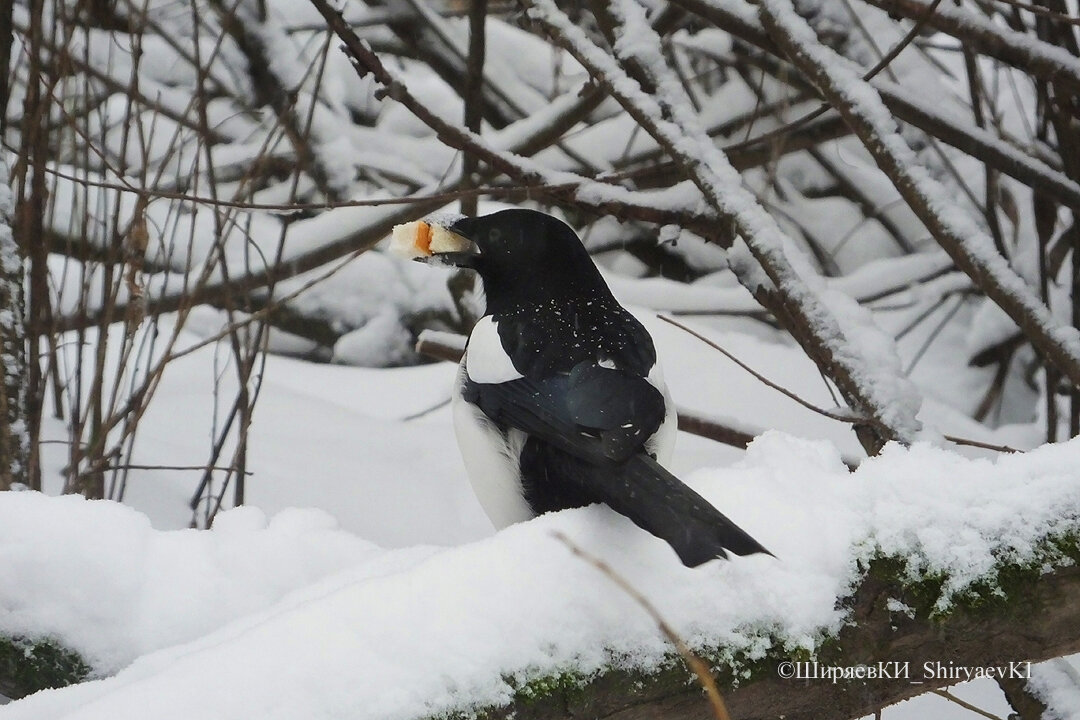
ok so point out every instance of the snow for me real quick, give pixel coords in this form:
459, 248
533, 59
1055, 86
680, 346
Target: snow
123, 589
844, 237
514, 134
289, 613
383, 341
1023, 164
1057, 684
423, 631
671, 296
890, 275
290, 69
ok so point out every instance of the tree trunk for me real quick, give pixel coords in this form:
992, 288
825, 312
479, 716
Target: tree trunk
13, 435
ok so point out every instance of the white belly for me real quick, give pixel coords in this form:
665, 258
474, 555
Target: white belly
491, 460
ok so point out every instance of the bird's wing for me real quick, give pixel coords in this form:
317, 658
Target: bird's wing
657, 501
598, 414
600, 418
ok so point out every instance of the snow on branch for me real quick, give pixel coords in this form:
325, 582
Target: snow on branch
740, 19
982, 35
837, 334
979, 143
278, 77
348, 231
971, 249
435, 41
673, 205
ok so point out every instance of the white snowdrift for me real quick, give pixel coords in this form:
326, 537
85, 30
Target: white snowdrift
415, 632
95, 575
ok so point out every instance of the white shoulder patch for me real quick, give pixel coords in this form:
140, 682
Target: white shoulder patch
485, 360
656, 376
662, 442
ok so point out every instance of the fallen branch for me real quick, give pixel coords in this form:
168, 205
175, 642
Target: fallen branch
1038, 619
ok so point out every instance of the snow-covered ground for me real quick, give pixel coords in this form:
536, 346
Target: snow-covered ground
364, 581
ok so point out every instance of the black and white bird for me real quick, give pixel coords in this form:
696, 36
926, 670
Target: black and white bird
560, 401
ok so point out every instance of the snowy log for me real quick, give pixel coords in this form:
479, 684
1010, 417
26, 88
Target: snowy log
1038, 620
893, 626
918, 557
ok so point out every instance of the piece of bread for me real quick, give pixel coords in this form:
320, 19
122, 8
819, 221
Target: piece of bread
422, 239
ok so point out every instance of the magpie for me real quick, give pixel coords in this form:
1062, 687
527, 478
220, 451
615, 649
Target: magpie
559, 400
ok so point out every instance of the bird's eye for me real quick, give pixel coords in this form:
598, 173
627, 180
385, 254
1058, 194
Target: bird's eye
495, 235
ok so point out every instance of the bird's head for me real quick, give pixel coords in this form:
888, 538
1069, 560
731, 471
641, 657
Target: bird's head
524, 256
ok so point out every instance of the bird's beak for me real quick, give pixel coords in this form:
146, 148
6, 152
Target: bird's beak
460, 258
451, 259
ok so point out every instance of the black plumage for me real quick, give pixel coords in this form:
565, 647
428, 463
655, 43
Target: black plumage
559, 392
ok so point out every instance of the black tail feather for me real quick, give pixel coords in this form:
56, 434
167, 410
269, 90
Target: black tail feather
659, 502
642, 490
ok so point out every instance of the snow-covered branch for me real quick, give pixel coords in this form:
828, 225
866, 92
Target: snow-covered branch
969, 246
981, 34
740, 19
278, 81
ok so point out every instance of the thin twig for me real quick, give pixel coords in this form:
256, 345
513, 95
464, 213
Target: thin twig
696, 664
136, 466
966, 705
847, 418
841, 417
